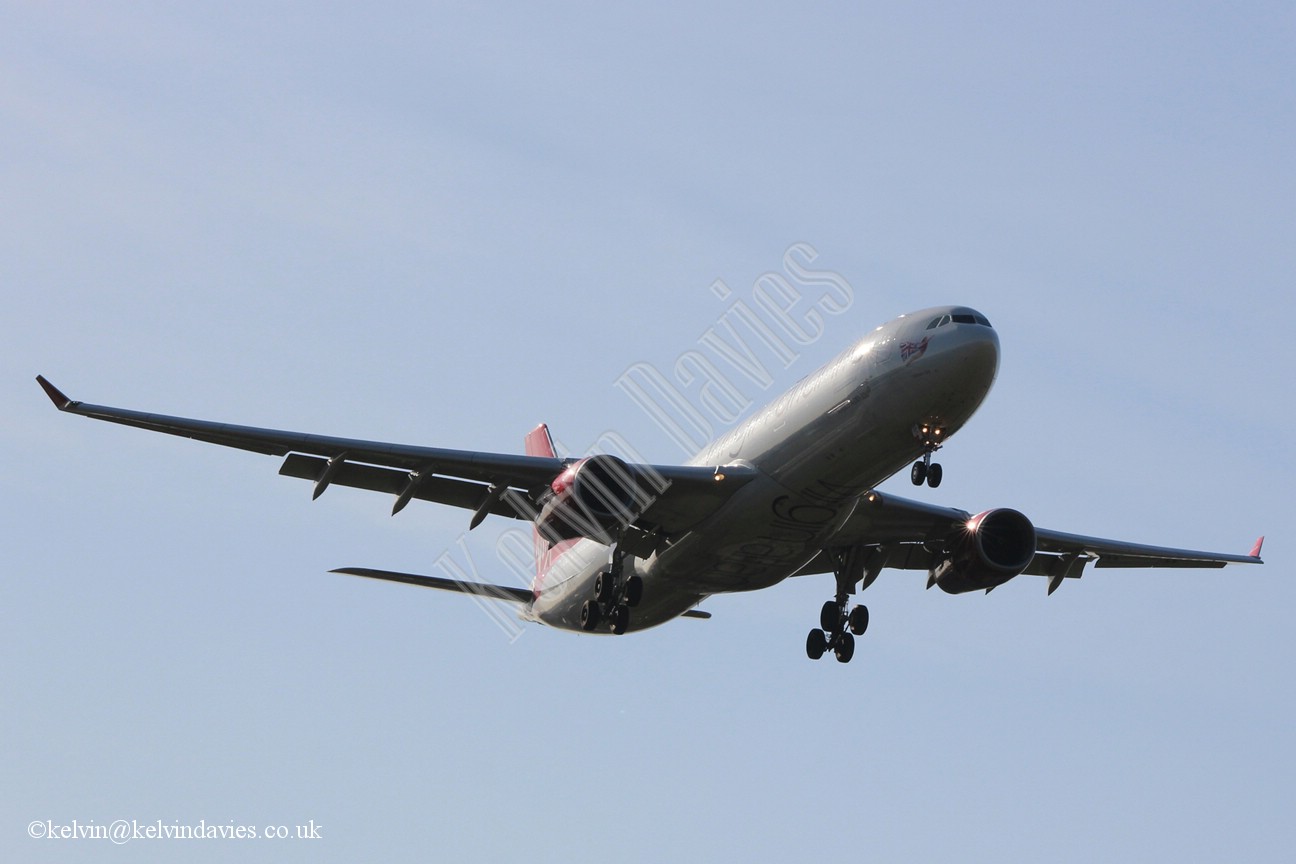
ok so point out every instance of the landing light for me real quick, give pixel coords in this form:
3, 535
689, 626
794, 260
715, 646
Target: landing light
719, 476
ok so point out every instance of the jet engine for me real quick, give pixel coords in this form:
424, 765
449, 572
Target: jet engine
984, 553
594, 498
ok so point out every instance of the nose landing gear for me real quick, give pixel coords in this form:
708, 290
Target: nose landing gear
925, 470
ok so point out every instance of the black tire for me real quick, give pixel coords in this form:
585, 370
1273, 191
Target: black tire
589, 616
934, 474
816, 644
830, 617
845, 649
918, 473
859, 620
620, 619
634, 590
603, 587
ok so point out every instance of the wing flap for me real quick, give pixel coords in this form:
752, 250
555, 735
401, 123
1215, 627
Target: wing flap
440, 490
1117, 553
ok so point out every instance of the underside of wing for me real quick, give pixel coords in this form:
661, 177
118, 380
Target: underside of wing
964, 552
599, 497
1115, 553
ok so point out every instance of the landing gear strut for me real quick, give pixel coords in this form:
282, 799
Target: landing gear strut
839, 626
924, 469
613, 596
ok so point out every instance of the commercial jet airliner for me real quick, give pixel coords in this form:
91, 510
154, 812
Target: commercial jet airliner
623, 546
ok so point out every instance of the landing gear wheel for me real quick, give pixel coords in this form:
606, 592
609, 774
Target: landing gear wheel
816, 644
634, 590
589, 615
858, 620
830, 617
934, 475
620, 619
918, 473
845, 649
604, 585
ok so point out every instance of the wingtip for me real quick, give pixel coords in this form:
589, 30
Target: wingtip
56, 395
1255, 550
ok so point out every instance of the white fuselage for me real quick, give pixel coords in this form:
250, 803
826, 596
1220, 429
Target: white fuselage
817, 448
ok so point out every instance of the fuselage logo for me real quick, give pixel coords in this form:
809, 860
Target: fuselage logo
911, 351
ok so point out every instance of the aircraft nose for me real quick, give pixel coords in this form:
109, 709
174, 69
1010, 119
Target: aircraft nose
982, 353
973, 350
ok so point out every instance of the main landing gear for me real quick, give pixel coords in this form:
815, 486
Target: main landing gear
839, 629
924, 469
614, 596
839, 626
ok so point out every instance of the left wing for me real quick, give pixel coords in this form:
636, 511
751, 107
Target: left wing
486, 483
912, 535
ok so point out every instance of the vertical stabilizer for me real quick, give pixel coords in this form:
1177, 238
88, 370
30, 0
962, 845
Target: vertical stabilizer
540, 443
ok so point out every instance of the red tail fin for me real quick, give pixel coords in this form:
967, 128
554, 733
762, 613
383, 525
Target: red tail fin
539, 443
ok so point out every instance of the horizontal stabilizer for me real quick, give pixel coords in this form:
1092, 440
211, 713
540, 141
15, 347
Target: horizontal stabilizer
493, 592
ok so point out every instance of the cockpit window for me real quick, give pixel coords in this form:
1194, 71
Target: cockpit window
958, 319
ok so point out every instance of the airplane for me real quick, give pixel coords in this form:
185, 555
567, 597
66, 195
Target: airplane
623, 546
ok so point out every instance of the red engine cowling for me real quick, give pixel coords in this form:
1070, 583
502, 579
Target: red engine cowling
991, 548
592, 498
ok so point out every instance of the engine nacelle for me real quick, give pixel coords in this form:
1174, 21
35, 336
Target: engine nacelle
987, 551
594, 498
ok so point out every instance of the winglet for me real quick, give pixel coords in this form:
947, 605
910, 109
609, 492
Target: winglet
1255, 551
56, 396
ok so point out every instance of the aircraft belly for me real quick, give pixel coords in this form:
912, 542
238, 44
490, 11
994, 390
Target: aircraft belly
767, 533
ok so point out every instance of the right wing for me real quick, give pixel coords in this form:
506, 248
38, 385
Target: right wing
487, 483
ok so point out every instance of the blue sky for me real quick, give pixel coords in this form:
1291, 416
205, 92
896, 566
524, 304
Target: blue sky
442, 225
